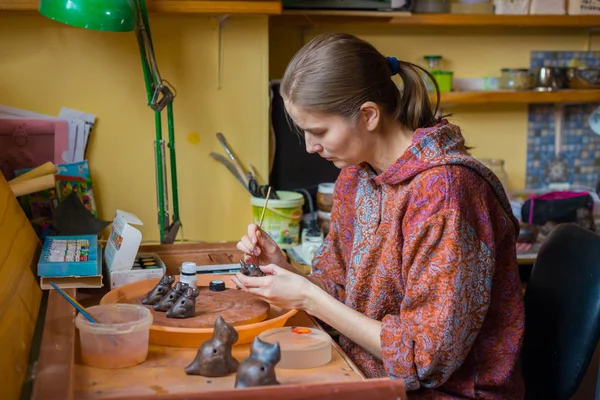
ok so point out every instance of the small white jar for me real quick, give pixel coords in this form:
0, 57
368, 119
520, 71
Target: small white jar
189, 274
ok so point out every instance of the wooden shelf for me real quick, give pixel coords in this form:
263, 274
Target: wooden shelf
263, 7
519, 97
317, 17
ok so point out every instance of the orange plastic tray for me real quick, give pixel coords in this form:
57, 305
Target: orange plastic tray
193, 337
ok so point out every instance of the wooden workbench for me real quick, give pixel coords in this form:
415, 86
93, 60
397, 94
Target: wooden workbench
61, 376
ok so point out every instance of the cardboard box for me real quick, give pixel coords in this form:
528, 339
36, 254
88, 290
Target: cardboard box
123, 277
123, 242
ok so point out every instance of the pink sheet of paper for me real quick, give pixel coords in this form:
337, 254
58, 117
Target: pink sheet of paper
28, 142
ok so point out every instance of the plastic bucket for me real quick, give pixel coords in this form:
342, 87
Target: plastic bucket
282, 217
119, 339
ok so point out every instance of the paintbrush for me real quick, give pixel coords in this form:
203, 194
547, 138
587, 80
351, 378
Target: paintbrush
264, 208
262, 216
74, 303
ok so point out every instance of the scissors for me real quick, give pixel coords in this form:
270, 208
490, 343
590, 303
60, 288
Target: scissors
257, 190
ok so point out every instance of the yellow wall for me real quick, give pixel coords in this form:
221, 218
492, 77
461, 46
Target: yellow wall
46, 65
496, 131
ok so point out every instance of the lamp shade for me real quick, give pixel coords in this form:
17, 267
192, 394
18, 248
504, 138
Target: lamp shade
103, 15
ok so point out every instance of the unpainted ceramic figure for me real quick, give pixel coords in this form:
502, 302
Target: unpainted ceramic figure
249, 269
214, 355
259, 368
185, 307
160, 290
170, 298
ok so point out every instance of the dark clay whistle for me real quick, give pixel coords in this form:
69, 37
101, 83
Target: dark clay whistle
170, 298
259, 368
214, 355
249, 269
185, 307
160, 290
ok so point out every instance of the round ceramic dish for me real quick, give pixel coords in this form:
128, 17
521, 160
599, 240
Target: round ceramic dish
178, 336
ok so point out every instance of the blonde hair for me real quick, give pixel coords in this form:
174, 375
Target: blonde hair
335, 73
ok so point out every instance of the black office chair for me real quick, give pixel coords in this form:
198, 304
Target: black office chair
562, 305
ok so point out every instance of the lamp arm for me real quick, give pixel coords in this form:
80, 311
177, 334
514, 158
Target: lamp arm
159, 96
155, 89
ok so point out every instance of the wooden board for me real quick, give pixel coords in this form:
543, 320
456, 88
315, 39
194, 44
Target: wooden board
20, 294
236, 308
337, 17
340, 379
164, 373
486, 97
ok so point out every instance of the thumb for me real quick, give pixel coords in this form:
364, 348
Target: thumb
270, 269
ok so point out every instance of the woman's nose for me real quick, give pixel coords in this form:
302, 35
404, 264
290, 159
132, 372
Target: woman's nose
312, 146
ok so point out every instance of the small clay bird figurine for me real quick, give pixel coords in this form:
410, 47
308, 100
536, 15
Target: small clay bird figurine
214, 355
259, 368
160, 290
170, 298
185, 307
249, 269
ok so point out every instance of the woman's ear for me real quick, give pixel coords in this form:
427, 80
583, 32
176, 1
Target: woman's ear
370, 114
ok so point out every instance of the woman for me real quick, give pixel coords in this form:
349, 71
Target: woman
419, 270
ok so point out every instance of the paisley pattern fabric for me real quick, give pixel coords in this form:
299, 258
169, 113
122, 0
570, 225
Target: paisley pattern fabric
428, 248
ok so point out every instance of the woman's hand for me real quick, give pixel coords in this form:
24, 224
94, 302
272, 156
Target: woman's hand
259, 248
280, 287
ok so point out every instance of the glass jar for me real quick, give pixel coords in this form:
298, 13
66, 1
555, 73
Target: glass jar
496, 165
515, 79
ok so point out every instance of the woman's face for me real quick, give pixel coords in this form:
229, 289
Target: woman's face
333, 137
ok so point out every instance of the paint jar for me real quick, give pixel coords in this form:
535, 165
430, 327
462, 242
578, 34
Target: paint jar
120, 337
325, 196
189, 274
282, 217
444, 80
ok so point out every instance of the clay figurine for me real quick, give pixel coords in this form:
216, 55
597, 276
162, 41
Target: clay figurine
162, 288
214, 355
259, 368
249, 269
185, 307
170, 298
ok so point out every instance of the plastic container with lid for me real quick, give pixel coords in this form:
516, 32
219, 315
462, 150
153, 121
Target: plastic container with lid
301, 347
282, 217
189, 273
119, 339
325, 196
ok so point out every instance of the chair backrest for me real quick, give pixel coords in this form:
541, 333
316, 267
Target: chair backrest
562, 305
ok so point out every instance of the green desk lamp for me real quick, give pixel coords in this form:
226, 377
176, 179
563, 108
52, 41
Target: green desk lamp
125, 16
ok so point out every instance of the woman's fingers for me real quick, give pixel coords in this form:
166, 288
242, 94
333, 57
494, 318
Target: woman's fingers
237, 283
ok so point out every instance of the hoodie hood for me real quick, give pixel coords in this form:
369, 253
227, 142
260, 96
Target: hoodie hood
442, 144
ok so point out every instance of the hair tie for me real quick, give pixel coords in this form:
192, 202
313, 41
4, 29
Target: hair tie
394, 65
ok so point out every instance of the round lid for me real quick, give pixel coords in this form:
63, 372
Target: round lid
188, 267
326, 188
216, 286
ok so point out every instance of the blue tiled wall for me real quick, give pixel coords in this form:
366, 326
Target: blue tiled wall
580, 145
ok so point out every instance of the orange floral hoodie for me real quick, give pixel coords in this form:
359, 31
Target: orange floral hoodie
428, 248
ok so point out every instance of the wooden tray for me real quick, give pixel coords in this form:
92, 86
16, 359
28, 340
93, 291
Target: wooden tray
247, 313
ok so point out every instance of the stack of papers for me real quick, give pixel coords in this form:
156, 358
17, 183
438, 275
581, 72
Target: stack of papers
80, 126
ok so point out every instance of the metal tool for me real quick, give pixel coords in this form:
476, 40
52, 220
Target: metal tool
230, 168
257, 190
232, 157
